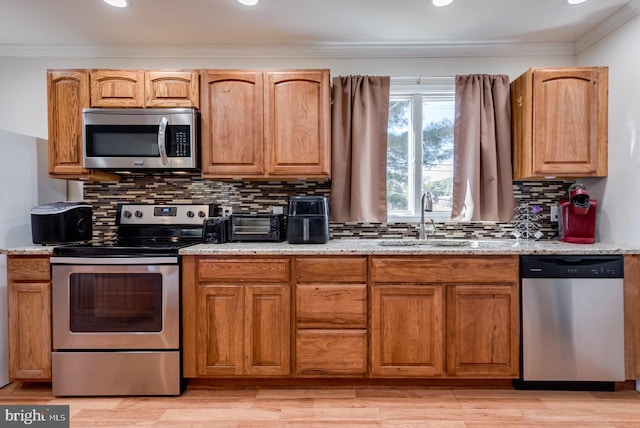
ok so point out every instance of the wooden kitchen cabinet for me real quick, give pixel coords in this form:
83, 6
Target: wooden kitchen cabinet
454, 316
29, 311
67, 95
297, 123
559, 122
407, 330
259, 125
483, 330
172, 88
232, 124
144, 88
236, 316
331, 316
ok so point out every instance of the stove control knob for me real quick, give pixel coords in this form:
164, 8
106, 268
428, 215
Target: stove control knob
138, 214
190, 214
126, 214
201, 214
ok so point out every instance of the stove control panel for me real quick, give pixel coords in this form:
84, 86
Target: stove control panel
179, 214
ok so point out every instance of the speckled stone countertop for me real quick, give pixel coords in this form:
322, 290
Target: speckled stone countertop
374, 247
31, 250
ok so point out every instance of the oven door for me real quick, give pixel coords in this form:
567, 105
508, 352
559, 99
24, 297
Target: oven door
115, 303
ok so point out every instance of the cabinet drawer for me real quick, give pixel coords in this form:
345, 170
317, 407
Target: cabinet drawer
444, 269
331, 269
224, 270
331, 306
28, 268
331, 352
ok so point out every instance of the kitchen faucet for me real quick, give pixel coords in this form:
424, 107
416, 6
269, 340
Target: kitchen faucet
426, 204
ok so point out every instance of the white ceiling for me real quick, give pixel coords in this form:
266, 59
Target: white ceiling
81, 26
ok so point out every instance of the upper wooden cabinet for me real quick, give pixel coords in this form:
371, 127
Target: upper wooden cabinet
560, 122
144, 88
232, 124
265, 124
165, 88
297, 123
67, 95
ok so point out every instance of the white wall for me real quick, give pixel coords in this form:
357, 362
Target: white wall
23, 91
620, 191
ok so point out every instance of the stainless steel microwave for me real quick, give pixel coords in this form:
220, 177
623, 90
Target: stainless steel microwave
140, 138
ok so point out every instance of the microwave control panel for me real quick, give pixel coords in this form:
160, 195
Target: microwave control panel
180, 146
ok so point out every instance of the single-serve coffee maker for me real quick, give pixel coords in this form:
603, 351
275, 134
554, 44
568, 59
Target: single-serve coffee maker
308, 220
578, 216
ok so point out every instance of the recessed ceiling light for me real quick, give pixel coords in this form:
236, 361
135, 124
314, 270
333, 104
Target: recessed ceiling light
576, 1
441, 2
249, 2
118, 3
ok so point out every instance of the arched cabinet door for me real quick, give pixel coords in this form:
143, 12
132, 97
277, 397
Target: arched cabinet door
232, 124
68, 94
560, 122
297, 121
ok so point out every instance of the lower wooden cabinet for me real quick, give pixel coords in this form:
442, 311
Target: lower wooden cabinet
29, 310
454, 316
483, 331
407, 330
353, 317
234, 325
331, 316
331, 352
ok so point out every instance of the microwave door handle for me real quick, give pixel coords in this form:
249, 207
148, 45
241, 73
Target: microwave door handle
162, 130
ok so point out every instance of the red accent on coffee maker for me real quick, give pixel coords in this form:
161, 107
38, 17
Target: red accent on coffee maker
578, 216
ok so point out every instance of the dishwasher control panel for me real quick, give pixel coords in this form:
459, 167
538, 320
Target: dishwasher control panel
574, 266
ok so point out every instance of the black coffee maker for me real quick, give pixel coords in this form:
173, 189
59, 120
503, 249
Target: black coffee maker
308, 220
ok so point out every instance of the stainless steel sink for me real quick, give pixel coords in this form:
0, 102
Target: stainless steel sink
447, 242
427, 242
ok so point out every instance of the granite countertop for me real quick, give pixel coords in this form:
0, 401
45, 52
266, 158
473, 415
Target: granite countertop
29, 250
372, 246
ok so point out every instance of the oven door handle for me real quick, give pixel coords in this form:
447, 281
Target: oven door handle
114, 260
162, 141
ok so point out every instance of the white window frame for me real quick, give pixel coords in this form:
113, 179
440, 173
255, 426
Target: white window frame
435, 89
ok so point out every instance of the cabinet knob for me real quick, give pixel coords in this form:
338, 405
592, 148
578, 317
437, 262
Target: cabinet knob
520, 101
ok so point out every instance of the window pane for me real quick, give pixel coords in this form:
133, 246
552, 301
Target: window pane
437, 152
398, 154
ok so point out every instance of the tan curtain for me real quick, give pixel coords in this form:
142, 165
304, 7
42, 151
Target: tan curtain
482, 179
359, 117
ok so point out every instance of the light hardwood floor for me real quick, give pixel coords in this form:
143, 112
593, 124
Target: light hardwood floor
345, 407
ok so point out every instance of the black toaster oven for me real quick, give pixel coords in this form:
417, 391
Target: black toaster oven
256, 227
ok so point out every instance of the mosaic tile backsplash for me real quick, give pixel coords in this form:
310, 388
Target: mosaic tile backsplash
261, 197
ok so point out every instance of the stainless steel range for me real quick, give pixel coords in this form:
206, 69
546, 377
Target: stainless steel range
116, 304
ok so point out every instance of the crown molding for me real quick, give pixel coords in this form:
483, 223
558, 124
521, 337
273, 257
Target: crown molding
606, 27
336, 51
339, 51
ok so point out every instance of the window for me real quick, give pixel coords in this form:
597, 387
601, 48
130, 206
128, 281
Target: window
420, 148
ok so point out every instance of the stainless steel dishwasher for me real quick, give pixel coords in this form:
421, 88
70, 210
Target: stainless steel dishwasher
572, 318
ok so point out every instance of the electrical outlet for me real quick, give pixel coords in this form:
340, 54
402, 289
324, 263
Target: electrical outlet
554, 213
227, 210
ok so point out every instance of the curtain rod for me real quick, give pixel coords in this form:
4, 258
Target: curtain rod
422, 79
